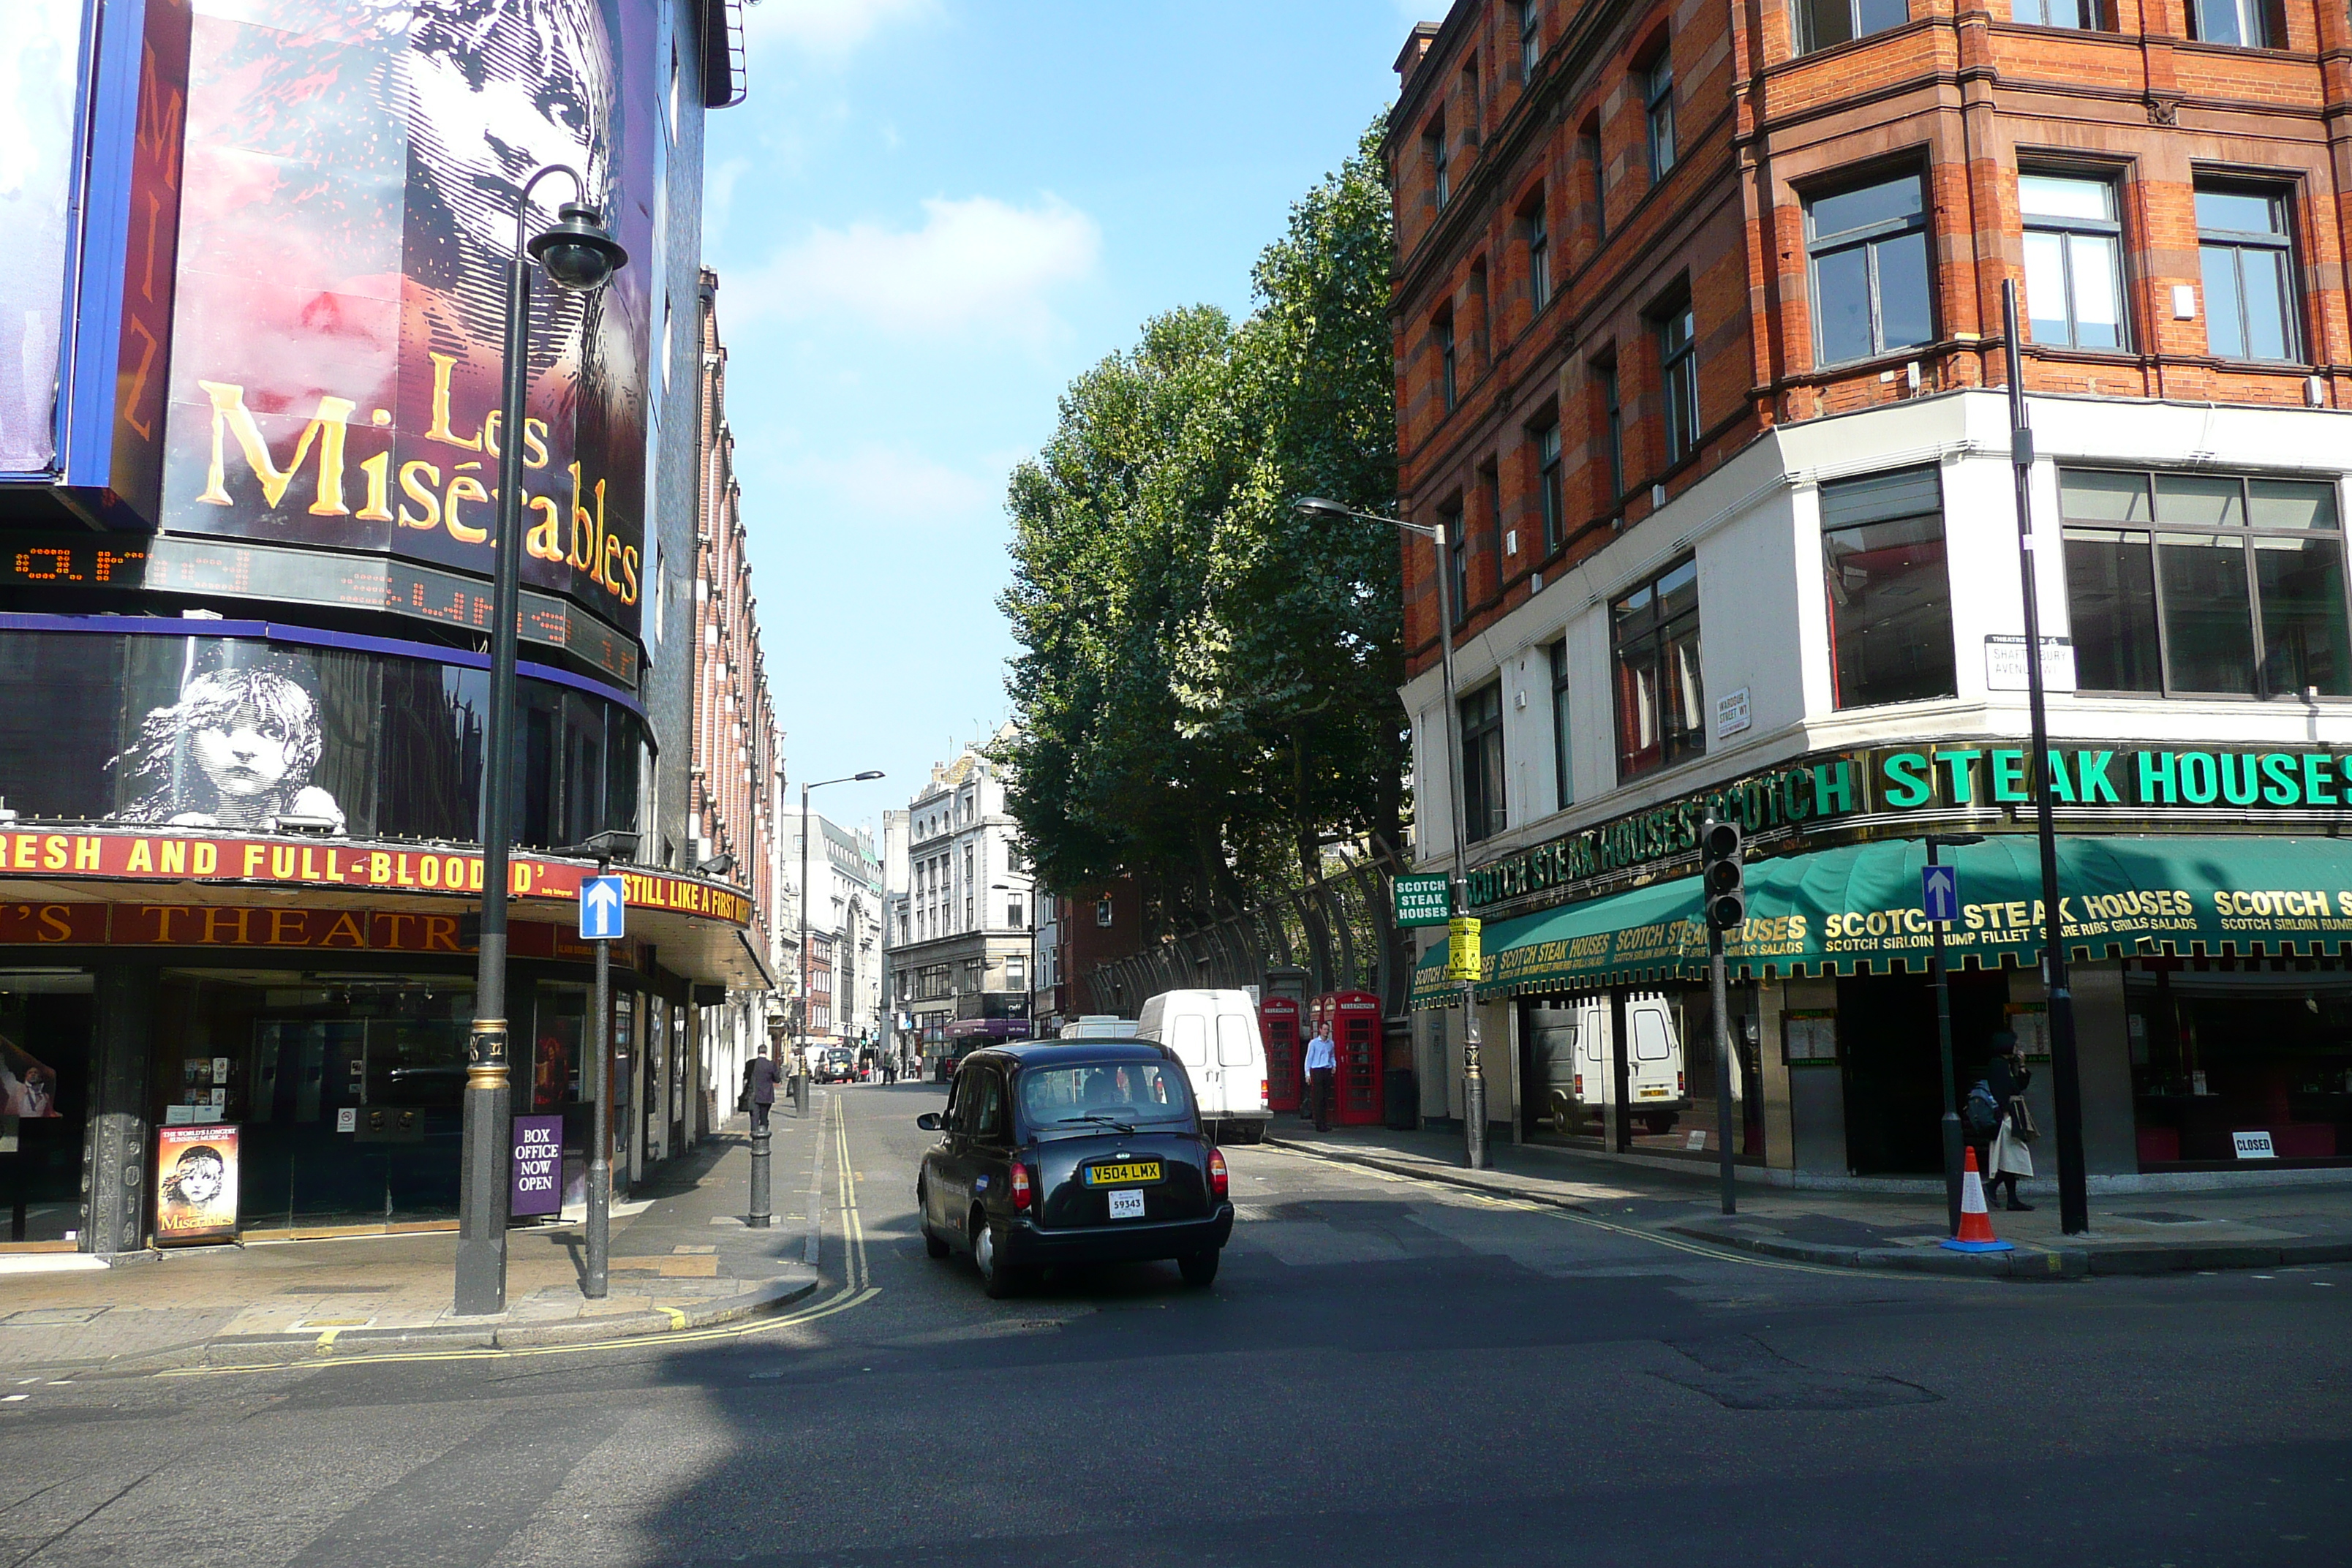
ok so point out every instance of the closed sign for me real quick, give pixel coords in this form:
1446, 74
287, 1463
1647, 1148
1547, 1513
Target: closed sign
2253, 1145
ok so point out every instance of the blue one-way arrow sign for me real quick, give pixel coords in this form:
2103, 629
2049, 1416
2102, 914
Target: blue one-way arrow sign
603, 910
1939, 892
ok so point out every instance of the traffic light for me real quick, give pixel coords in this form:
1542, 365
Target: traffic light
1721, 892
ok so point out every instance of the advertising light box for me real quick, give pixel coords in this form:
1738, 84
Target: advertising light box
335, 379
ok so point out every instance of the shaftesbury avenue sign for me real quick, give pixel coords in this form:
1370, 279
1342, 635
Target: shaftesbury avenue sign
1863, 792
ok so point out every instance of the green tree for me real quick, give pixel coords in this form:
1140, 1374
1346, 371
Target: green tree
1206, 689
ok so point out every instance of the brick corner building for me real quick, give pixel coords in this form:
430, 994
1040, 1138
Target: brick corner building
1701, 363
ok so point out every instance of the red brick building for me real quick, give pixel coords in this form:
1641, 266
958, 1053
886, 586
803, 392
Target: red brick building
1559, 254
1701, 365
736, 777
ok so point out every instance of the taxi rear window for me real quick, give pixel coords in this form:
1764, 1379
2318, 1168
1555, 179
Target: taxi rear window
1067, 1101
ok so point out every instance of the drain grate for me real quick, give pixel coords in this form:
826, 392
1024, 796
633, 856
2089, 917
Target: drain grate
332, 1290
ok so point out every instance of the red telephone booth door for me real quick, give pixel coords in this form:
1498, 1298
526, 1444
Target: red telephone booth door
1355, 1019
1277, 1019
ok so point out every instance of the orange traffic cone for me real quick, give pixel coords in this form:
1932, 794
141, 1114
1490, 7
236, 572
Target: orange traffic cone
1976, 1224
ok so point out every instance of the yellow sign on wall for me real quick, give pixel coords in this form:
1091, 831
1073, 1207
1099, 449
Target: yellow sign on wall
1463, 959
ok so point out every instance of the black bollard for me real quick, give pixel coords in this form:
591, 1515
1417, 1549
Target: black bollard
760, 1208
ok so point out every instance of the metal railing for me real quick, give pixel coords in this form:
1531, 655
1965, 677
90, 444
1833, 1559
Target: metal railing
1339, 928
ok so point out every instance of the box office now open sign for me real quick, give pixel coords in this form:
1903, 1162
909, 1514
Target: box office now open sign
537, 1165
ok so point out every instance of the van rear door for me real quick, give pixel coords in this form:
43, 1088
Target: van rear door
1187, 1037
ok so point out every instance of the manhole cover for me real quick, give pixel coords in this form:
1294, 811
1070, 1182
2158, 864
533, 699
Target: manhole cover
38, 1316
2160, 1216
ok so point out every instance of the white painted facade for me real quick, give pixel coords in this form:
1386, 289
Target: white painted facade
1753, 527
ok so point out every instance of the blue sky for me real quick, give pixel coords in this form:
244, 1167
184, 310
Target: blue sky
928, 218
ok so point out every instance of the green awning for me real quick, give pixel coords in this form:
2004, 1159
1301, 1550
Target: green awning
1855, 909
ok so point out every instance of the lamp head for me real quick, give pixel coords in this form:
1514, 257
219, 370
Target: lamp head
1316, 506
579, 253
868, 773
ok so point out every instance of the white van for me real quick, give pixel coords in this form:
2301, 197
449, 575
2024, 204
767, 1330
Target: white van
1214, 1033
1099, 1026
1576, 1072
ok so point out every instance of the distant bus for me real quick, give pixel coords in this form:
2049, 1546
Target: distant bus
969, 1034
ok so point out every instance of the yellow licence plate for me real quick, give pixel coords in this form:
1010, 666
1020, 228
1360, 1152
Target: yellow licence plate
1114, 1175
1655, 1093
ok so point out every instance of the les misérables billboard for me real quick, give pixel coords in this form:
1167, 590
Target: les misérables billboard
351, 172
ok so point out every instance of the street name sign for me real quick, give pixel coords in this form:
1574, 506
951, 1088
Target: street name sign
603, 905
1422, 899
1939, 892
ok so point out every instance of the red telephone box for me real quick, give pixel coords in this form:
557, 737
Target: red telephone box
1277, 1020
1355, 1020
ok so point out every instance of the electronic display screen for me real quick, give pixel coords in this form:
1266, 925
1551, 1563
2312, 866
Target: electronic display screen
182, 565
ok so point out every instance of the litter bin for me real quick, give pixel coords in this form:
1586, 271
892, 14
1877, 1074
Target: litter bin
1404, 1097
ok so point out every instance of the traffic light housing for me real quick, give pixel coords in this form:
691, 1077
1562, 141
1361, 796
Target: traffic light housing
1722, 890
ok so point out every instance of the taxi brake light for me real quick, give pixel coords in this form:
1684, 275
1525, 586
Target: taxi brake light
1021, 1193
1218, 1181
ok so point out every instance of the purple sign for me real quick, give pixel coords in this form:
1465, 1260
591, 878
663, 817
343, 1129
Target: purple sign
537, 1165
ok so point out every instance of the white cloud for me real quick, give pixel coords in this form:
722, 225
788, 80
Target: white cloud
977, 266
872, 483
829, 28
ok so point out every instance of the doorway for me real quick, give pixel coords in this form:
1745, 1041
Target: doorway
1886, 1036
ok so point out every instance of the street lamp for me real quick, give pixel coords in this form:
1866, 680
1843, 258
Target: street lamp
801, 1008
1473, 1076
2066, 1069
579, 255
1944, 1040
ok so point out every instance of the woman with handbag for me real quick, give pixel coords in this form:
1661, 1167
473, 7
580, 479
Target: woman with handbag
2008, 1157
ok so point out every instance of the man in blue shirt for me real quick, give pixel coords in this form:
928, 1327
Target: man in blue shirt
1322, 1061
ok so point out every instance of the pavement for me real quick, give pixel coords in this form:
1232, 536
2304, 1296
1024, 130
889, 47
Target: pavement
682, 1258
2139, 1233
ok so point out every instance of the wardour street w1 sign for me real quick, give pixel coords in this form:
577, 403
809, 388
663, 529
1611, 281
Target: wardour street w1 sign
2158, 787
1422, 899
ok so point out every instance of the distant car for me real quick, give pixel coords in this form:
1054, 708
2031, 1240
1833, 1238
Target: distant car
837, 1064
1069, 1152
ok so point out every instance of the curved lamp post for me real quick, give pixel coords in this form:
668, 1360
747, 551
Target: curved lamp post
580, 255
801, 1008
1474, 1076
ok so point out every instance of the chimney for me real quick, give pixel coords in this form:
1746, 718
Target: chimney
1416, 48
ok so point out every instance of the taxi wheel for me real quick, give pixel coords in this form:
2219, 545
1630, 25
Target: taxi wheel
1200, 1267
997, 1278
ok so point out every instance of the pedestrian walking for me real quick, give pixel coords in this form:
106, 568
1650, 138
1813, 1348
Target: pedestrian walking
2008, 1157
759, 1087
1322, 1063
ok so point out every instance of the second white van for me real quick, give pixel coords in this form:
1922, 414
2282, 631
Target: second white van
1215, 1034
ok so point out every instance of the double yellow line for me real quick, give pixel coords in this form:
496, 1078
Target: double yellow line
855, 1290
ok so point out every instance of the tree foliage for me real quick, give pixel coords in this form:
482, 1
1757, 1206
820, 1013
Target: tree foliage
1206, 690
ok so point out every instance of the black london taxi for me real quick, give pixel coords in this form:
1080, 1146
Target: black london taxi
1073, 1151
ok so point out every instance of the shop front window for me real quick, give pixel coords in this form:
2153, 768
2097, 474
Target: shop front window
45, 1018
2241, 1067
349, 1095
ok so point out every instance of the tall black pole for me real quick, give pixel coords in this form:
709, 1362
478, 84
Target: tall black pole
1474, 1069
600, 1136
483, 1195
1951, 1123
800, 1056
1720, 992
2073, 1197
